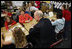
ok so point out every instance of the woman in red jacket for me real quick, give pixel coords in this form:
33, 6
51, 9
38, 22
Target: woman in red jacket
66, 13
9, 22
24, 17
67, 16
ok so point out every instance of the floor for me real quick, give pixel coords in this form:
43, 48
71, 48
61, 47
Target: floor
66, 43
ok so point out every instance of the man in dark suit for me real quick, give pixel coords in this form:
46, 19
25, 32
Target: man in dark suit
42, 34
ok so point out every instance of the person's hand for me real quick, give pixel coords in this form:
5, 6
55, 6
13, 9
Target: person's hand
9, 25
32, 25
1, 33
27, 21
35, 4
1, 41
53, 20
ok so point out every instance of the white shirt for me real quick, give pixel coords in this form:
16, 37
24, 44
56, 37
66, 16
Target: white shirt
32, 8
9, 37
59, 23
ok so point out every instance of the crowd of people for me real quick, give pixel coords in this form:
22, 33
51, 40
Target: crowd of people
42, 34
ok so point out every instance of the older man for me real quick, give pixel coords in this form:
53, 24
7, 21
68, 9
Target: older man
42, 34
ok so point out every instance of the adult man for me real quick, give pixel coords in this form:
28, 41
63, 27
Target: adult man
41, 35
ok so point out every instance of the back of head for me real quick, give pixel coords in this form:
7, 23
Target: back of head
59, 15
8, 19
39, 13
22, 12
66, 7
19, 36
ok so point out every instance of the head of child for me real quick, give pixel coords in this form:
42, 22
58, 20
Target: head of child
59, 15
30, 4
8, 19
22, 12
19, 37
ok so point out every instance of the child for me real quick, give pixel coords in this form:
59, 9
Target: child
59, 23
19, 36
24, 17
9, 22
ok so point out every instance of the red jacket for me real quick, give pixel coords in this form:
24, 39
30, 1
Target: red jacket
22, 18
6, 24
66, 15
9, 14
38, 4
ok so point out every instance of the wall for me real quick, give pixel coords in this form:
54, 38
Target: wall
17, 3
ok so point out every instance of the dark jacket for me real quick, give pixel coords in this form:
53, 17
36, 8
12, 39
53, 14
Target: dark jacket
42, 35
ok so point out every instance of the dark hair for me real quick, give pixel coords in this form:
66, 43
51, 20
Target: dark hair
59, 15
32, 13
7, 17
23, 10
64, 6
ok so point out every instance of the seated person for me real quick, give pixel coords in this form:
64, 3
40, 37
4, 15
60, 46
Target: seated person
67, 16
9, 22
8, 13
30, 8
15, 40
20, 38
41, 35
59, 23
24, 17
7, 44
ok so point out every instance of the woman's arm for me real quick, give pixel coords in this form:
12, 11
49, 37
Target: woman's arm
6, 25
21, 20
13, 22
30, 18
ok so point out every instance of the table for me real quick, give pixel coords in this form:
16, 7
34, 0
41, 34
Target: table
28, 25
53, 17
3, 29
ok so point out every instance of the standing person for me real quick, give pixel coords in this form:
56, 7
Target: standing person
67, 16
15, 16
42, 34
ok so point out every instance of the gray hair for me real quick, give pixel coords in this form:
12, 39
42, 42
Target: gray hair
40, 13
